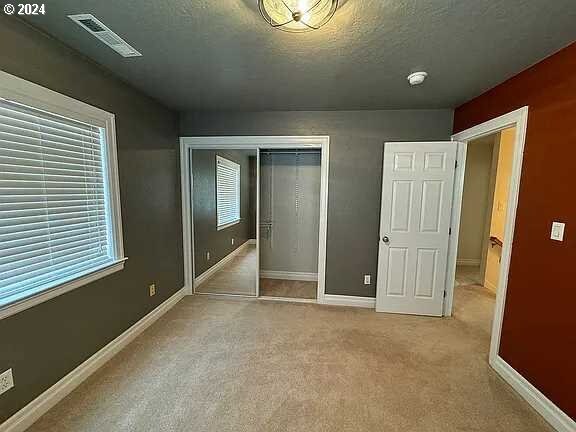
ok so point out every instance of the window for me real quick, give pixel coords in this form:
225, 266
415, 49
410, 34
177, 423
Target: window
227, 192
59, 213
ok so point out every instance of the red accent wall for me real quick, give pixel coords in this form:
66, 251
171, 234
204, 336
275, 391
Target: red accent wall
539, 328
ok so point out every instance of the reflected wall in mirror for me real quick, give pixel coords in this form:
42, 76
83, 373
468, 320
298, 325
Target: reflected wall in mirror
224, 199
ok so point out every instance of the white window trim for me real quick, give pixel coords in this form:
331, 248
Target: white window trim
228, 225
27, 93
235, 166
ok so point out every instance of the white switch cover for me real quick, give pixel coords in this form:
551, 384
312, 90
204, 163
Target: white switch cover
6, 381
366, 279
557, 231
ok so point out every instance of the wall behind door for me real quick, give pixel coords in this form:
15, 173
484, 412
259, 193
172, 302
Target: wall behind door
476, 206
356, 150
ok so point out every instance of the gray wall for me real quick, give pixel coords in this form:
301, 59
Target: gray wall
206, 237
44, 343
356, 151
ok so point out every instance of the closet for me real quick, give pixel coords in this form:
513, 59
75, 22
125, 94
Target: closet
289, 222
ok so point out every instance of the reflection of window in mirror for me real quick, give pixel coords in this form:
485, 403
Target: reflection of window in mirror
224, 216
227, 192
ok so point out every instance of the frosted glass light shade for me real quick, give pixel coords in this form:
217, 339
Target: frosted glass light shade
297, 15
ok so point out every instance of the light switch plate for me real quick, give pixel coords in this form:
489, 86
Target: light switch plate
6, 381
367, 279
557, 232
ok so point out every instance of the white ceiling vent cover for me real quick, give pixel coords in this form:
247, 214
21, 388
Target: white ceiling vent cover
96, 28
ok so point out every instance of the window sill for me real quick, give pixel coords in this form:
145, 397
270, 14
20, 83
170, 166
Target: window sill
19, 305
228, 225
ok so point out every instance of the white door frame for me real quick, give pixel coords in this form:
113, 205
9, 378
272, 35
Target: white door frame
518, 119
251, 143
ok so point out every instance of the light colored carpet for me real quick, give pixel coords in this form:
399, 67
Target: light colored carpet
468, 275
237, 277
251, 365
288, 288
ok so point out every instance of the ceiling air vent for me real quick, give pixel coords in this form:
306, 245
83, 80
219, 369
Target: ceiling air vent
97, 29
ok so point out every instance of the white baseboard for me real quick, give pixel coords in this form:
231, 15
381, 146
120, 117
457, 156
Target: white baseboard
287, 299
218, 266
299, 276
468, 262
24, 418
544, 406
341, 300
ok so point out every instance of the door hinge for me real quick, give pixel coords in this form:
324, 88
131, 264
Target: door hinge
449, 231
444, 294
455, 164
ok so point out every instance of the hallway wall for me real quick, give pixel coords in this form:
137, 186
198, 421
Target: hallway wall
475, 201
499, 206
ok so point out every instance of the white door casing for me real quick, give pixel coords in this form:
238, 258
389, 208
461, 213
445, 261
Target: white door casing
417, 193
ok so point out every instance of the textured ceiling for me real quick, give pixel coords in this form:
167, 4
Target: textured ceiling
221, 55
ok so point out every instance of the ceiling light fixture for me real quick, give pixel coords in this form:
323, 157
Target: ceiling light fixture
297, 16
417, 78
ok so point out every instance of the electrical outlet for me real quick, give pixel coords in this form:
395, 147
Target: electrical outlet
232, 241
152, 289
6, 381
367, 279
207, 256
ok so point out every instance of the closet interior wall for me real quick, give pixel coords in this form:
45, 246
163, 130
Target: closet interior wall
289, 211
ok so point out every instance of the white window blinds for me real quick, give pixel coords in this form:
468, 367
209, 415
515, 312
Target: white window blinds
227, 192
54, 213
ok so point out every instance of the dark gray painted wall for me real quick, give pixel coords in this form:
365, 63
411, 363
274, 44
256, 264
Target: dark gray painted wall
44, 343
356, 151
206, 237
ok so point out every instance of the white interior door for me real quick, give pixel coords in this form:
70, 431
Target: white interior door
417, 193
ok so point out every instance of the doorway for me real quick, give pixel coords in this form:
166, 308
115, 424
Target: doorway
485, 198
418, 242
518, 120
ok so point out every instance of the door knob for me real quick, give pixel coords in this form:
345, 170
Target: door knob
385, 239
